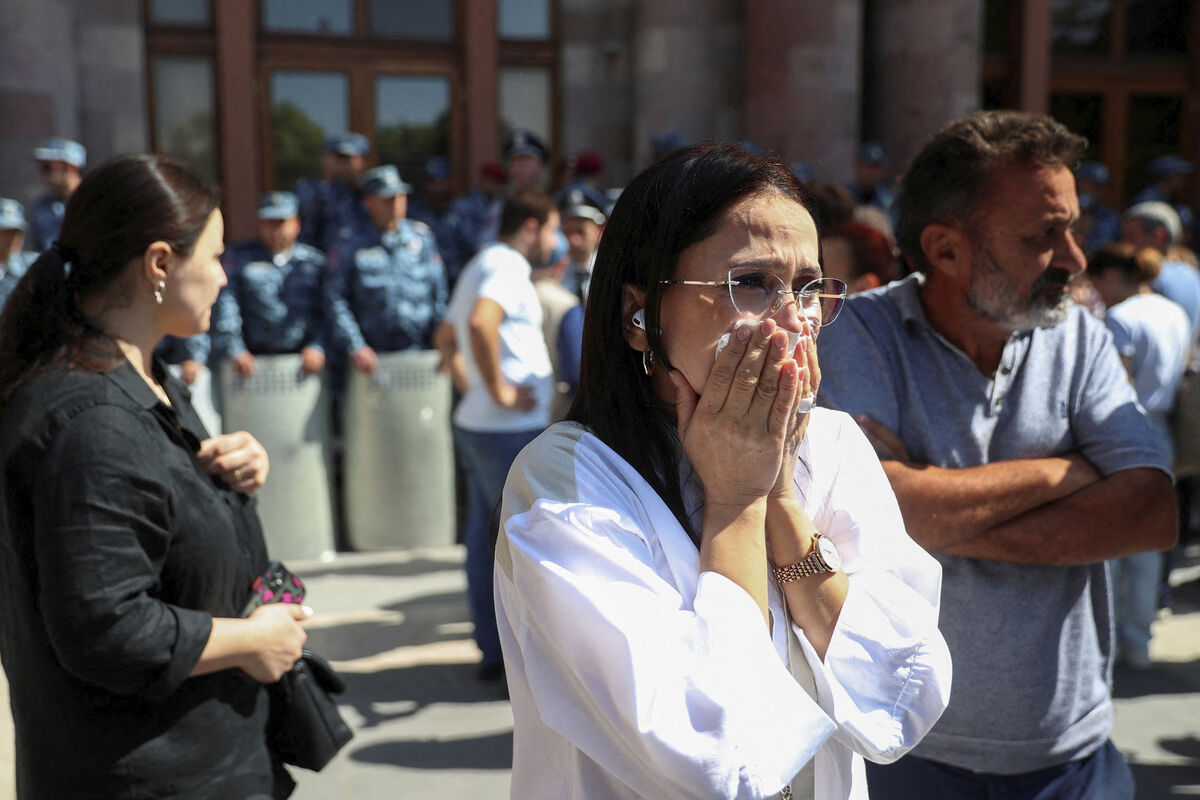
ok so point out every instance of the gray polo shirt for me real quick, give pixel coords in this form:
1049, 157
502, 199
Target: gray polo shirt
1032, 645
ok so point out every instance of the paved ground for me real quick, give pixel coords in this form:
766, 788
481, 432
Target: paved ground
396, 625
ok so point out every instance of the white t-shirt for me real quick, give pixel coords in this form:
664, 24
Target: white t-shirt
635, 675
1155, 334
501, 274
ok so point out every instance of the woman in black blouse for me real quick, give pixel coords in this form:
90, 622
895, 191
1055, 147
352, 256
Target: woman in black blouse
128, 542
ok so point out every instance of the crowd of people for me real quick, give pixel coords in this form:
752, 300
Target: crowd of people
713, 527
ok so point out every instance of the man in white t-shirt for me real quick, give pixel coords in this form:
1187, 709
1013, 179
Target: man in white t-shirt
491, 341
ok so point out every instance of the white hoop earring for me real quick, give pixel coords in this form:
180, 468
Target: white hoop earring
158, 292
647, 360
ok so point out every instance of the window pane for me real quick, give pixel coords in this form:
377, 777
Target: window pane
1157, 27
525, 101
1154, 130
306, 107
995, 26
184, 122
181, 12
993, 95
524, 19
1083, 114
412, 121
413, 19
309, 16
1081, 26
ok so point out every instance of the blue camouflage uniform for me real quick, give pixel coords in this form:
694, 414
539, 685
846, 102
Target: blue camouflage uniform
385, 289
46, 213
45, 221
327, 208
174, 350
15, 267
455, 238
269, 307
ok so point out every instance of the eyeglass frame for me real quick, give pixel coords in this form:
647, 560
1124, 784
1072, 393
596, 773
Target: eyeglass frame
777, 304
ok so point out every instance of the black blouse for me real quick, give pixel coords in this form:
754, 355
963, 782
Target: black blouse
116, 551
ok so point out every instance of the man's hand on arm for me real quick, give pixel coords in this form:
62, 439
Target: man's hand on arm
1054, 510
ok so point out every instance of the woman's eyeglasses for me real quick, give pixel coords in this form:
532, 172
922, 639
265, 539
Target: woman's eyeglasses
761, 293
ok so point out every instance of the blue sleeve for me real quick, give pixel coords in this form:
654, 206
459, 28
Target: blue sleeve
1110, 428
856, 373
226, 327
570, 345
315, 333
197, 348
344, 330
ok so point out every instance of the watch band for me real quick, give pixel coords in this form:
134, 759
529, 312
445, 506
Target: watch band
811, 564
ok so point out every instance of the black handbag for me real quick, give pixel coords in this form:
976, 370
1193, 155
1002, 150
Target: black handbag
305, 728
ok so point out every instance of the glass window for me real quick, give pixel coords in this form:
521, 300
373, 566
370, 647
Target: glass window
181, 12
184, 118
1155, 129
993, 95
413, 19
1083, 114
1156, 27
1081, 26
412, 121
309, 16
995, 26
525, 101
306, 108
523, 19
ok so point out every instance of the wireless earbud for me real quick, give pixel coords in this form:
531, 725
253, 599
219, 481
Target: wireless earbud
639, 318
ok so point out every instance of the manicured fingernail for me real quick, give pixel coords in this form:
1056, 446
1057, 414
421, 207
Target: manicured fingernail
743, 333
308, 612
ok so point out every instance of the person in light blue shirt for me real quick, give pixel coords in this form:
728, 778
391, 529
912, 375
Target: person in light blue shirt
14, 258
60, 163
272, 303
1155, 224
1019, 454
386, 287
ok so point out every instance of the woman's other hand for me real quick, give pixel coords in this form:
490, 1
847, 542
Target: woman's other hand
808, 372
238, 459
280, 639
736, 430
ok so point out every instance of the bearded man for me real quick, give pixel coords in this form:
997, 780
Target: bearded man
1019, 455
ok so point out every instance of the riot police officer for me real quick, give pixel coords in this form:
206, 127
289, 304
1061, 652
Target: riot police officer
14, 258
332, 202
386, 286
272, 303
60, 162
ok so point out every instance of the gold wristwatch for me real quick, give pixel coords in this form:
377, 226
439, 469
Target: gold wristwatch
823, 558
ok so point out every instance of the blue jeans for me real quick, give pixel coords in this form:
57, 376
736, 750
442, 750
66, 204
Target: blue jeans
1103, 775
1135, 581
485, 458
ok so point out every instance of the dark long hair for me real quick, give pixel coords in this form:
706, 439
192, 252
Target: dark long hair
119, 209
672, 205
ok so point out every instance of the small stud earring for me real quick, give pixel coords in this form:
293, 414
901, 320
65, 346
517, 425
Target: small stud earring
647, 360
158, 292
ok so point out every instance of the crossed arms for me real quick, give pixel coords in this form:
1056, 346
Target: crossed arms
1053, 511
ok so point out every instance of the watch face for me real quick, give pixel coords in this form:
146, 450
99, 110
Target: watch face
829, 553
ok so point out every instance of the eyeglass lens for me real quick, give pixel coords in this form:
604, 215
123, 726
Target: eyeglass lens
759, 292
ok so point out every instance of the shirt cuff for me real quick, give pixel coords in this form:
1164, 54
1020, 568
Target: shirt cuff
192, 630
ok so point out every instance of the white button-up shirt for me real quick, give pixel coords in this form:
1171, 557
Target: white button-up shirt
635, 675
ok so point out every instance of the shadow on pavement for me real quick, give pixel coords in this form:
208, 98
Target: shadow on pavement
480, 752
1162, 678
403, 569
425, 622
1159, 781
391, 694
